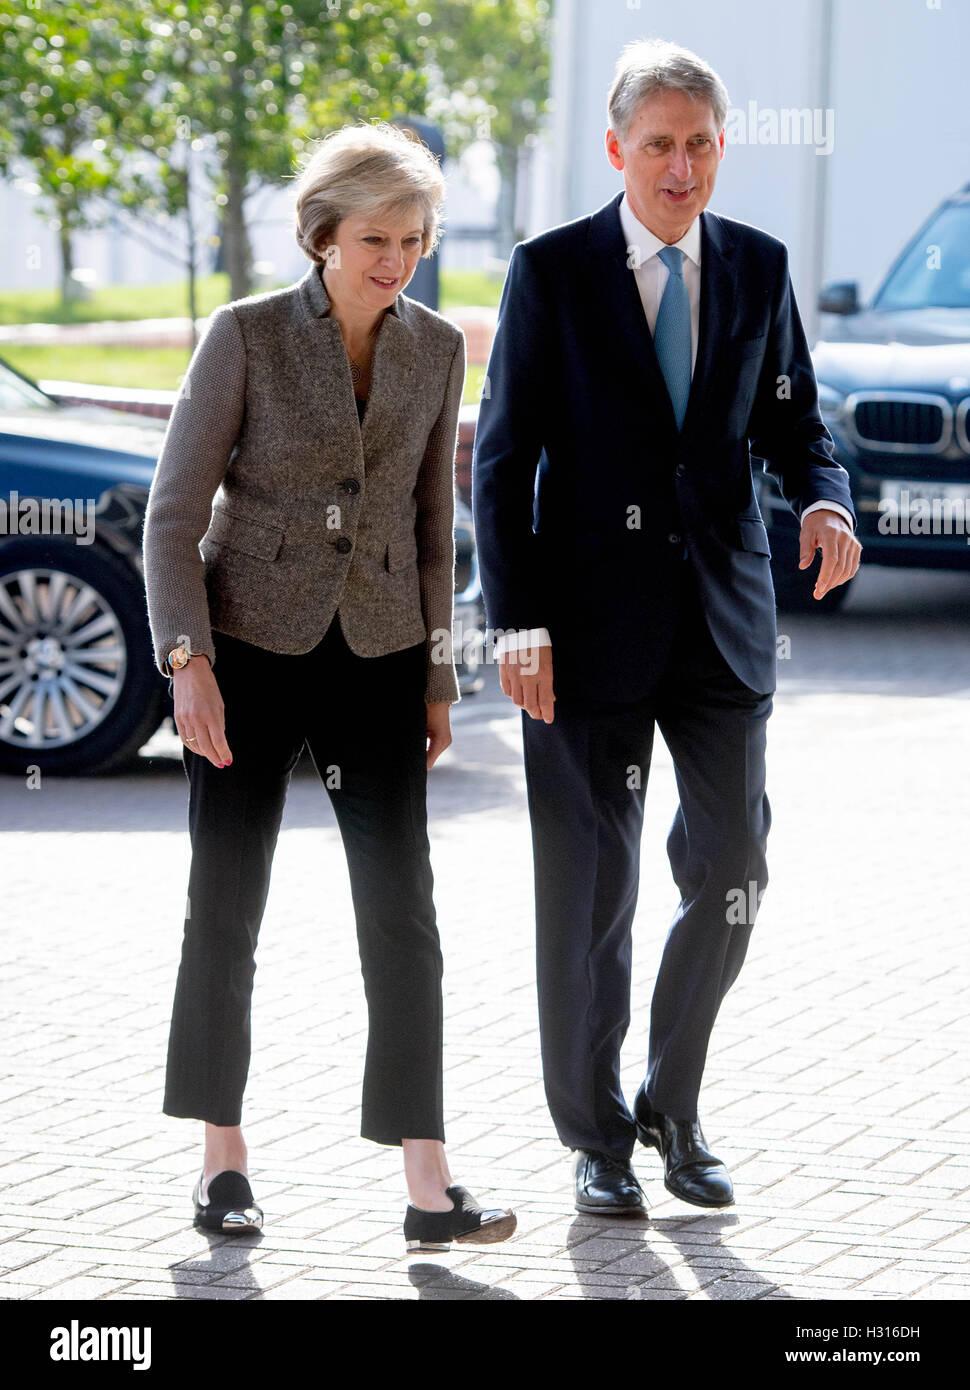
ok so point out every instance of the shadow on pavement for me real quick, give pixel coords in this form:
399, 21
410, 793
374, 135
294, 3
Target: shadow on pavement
434, 1281
226, 1257
640, 1267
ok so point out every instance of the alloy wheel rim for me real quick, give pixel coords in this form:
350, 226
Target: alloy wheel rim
63, 659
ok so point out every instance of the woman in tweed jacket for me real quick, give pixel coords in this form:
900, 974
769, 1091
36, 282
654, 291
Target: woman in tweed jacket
299, 570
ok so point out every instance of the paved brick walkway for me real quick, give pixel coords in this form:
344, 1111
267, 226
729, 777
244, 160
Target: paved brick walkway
836, 1088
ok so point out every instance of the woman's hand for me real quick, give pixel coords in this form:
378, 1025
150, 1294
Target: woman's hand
439, 729
200, 715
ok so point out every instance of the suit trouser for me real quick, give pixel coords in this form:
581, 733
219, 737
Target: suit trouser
586, 776
364, 721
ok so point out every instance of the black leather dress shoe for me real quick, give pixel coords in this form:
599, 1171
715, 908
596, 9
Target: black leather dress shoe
691, 1172
606, 1185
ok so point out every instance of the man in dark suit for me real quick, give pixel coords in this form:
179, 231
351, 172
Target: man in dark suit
643, 354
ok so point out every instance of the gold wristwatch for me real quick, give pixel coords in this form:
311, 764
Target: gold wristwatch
180, 655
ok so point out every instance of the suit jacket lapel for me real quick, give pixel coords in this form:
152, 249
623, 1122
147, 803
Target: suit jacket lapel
717, 296
612, 289
389, 383
331, 397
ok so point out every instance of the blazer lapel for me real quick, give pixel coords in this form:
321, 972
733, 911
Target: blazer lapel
328, 370
612, 288
389, 383
717, 295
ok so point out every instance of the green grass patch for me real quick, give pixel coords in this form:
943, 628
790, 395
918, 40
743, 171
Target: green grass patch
160, 369
170, 300
116, 302
153, 369
461, 288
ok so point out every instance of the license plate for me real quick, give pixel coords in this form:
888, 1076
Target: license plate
921, 491
925, 508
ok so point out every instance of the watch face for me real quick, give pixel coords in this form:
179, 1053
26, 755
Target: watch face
178, 658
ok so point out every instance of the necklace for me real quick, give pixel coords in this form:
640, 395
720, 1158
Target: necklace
356, 370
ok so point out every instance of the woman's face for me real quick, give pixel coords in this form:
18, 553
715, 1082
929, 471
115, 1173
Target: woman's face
368, 263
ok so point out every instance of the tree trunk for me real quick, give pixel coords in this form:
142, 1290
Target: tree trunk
239, 256
506, 235
69, 286
190, 242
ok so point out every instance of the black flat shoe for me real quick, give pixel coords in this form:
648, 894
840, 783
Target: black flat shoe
229, 1206
467, 1223
606, 1186
691, 1172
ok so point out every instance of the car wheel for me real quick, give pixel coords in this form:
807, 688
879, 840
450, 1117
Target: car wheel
79, 691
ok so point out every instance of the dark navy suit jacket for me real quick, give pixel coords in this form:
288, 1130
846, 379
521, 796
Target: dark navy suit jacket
585, 492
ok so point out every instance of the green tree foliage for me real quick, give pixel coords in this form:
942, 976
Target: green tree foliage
243, 86
63, 70
492, 69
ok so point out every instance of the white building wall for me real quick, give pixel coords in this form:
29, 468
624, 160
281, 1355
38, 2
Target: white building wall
903, 98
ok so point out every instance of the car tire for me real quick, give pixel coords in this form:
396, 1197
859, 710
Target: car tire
75, 659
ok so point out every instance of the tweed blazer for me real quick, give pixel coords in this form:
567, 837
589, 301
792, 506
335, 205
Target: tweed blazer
273, 508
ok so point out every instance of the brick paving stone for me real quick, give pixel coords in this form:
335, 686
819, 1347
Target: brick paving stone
899, 1283
84, 1288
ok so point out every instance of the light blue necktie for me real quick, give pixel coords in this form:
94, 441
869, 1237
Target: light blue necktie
671, 334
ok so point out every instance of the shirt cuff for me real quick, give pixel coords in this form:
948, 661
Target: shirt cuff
830, 507
514, 641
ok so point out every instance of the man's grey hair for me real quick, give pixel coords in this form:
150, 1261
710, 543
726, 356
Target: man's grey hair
649, 66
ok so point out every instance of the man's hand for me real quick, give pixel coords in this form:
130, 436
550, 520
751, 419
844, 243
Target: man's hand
829, 532
439, 729
526, 677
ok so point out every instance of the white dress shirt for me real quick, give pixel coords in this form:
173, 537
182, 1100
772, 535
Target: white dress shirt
651, 276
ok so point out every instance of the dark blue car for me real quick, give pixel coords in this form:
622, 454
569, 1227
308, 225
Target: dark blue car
79, 691
894, 389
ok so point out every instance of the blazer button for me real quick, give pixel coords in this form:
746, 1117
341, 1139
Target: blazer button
344, 545
680, 470
350, 485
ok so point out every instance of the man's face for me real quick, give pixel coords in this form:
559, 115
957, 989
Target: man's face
669, 160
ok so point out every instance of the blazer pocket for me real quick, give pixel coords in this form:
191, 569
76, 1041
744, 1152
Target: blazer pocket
401, 554
241, 533
753, 535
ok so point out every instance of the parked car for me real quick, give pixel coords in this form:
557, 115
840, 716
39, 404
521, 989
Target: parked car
894, 389
79, 691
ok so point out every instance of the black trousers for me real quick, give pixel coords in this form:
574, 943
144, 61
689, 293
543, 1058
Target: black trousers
364, 721
586, 776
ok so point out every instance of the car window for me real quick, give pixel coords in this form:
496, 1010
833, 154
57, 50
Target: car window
15, 393
935, 271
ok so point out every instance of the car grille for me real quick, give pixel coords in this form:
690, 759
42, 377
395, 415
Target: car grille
900, 422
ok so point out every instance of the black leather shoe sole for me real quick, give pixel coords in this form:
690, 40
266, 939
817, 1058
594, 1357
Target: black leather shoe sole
610, 1209
488, 1233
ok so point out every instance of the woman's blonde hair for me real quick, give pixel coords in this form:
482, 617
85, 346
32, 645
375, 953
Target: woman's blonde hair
372, 169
